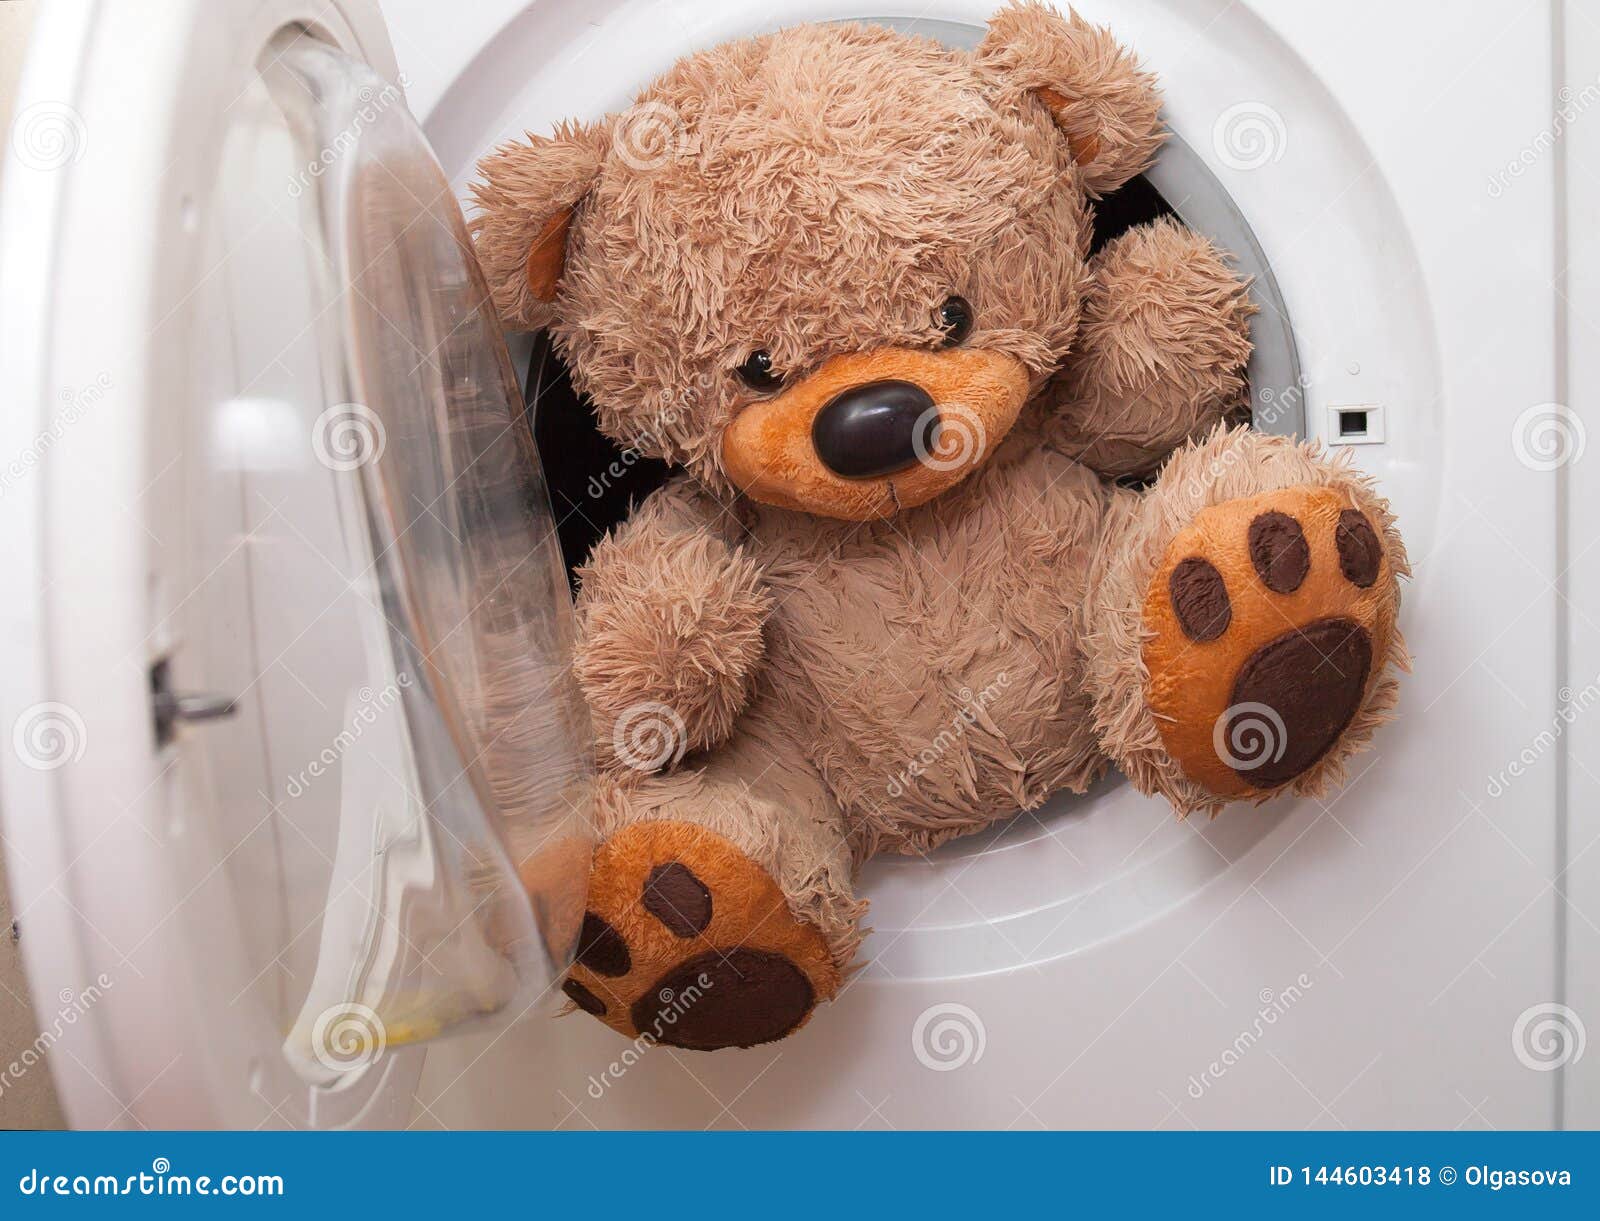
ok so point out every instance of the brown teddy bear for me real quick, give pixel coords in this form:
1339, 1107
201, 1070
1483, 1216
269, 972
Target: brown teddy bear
841, 277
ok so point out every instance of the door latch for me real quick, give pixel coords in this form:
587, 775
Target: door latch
170, 707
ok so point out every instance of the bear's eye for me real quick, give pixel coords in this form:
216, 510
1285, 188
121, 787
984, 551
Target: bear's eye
955, 316
757, 372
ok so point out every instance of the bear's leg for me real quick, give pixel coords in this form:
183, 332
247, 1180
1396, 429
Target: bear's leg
1242, 622
720, 907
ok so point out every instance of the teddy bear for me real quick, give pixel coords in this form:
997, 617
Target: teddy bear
962, 515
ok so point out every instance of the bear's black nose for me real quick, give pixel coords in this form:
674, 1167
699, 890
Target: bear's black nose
875, 429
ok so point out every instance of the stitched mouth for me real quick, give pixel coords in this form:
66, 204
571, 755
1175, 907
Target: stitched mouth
870, 434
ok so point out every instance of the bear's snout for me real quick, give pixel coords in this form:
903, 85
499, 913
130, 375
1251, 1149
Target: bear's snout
868, 434
877, 429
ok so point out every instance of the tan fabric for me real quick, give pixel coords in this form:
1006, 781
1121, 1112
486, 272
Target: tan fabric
547, 257
931, 661
767, 450
1164, 343
546, 873
670, 618
527, 197
1106, 107
762, 794
813, 192
1085, 145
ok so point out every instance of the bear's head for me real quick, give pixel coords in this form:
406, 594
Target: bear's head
828, 266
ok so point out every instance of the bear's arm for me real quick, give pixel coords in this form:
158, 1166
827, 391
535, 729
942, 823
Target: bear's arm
1160, 356
670, 616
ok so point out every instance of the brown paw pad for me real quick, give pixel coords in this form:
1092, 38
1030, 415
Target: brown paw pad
1270, 618
689, 942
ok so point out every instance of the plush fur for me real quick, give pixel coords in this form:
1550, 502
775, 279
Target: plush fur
788, 670
1154, 363
670, 617
822, 191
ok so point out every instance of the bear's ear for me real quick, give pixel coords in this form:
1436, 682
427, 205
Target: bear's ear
1103, 103
526, 200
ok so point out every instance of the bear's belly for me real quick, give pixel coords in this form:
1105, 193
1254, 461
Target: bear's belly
933, 660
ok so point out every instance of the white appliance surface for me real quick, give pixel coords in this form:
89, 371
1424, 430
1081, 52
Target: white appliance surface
1415, 950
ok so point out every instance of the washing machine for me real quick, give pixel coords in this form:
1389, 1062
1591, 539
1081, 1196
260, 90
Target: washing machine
285, 570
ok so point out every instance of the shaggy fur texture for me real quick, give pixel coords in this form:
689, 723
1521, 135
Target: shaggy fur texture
670, 616
1106, 107
810, 193
840, 669
1155, 368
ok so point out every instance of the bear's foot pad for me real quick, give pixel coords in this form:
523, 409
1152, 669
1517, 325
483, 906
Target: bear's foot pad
1269, 618
689, 942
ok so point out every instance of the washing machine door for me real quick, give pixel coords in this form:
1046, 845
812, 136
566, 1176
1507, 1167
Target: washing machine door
297, 767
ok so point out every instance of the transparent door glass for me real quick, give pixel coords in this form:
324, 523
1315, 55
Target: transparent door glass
416, 861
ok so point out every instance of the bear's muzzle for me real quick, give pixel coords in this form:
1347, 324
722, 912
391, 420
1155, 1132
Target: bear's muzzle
871, 433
